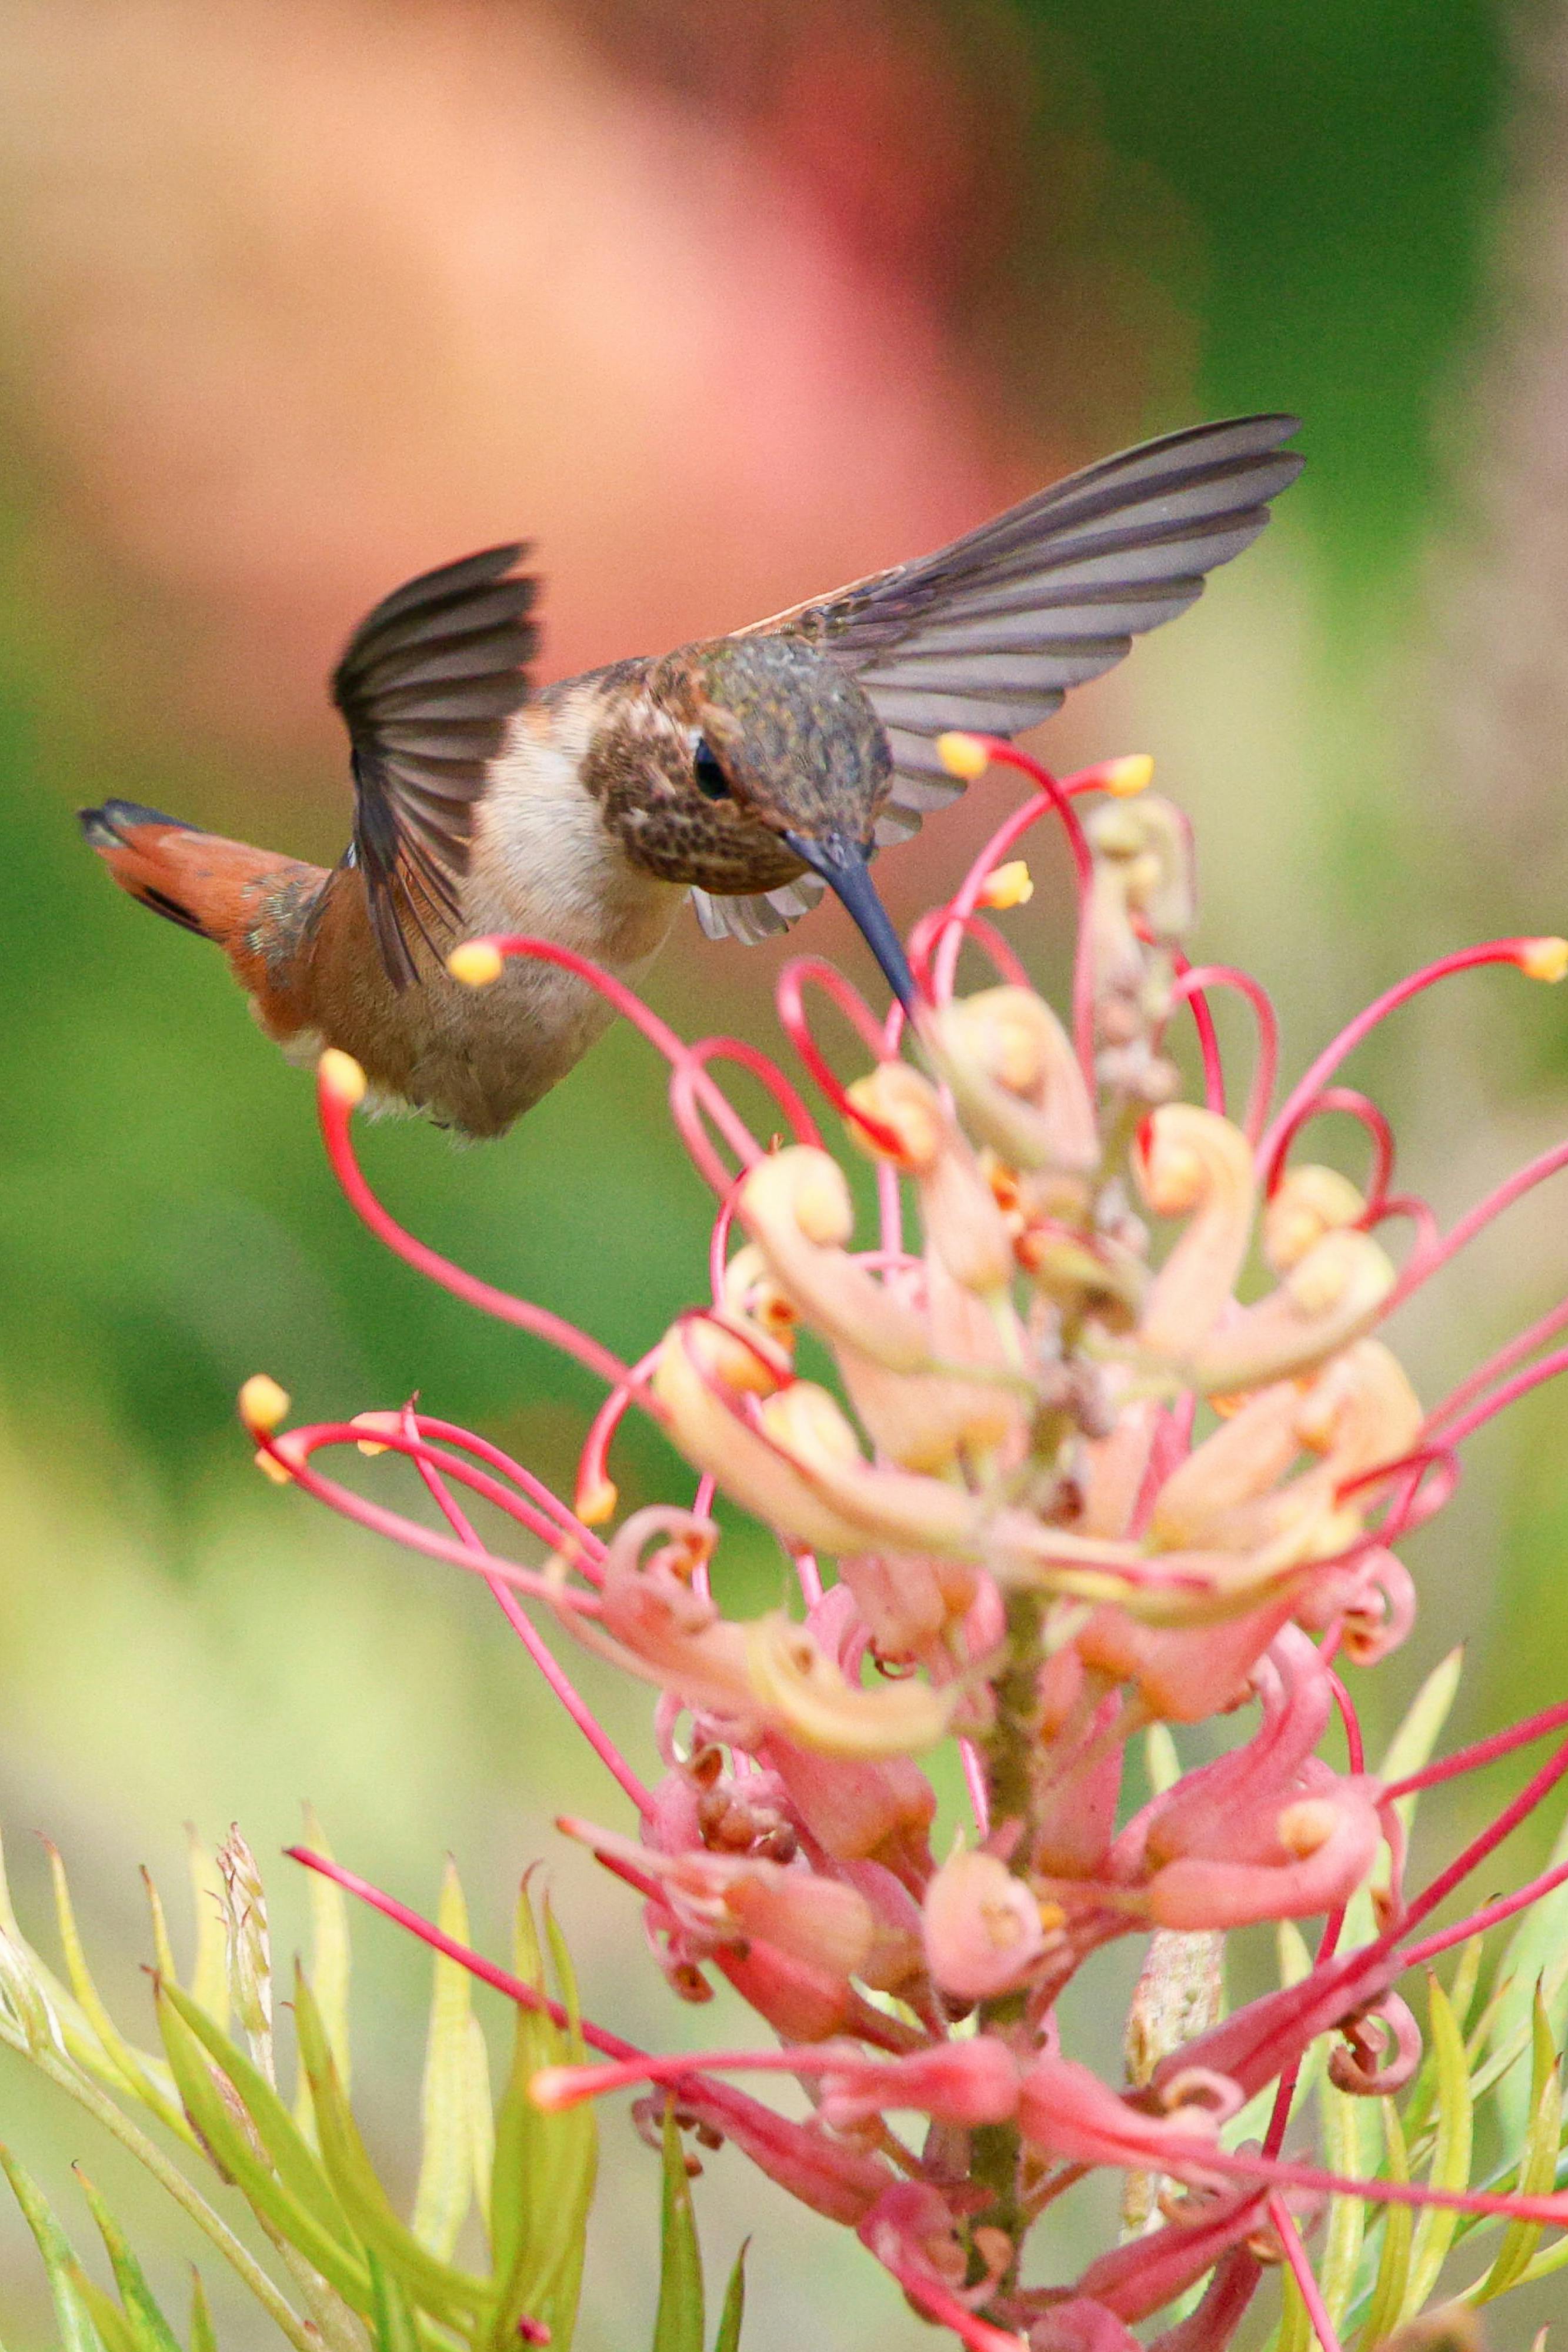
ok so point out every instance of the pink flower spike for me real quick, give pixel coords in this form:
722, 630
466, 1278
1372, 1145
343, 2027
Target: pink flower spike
1295, 2255
1525, 953
1192, 980
910, 2230
336, 1110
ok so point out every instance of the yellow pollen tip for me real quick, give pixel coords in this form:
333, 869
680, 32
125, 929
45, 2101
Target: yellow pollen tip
341, 1078
475, 963
597, 1504
1306, 1825
262, 1404
551, 2087
1011, 885
369, 1421
962, 755
1125, 777
1544, 958
270, 1467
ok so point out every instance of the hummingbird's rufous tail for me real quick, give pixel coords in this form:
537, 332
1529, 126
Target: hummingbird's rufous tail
199, 880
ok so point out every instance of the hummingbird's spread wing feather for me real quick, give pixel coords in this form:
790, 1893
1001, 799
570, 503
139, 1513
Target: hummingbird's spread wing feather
989, 634
426, 687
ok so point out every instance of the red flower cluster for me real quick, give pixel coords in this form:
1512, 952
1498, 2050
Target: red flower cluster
1073, 1485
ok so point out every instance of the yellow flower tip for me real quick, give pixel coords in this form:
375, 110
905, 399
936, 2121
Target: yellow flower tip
1125, 777
270, 1467
1052, 1916
962, 755
554, 2088
341, 1078
477, 963
391, 1422
1011, 885
594, 1505
1306, 1825
1544, 958
262, 1404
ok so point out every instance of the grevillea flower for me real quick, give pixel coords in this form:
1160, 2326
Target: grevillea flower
1073, 1475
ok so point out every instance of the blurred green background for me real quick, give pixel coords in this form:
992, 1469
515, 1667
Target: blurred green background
723, 304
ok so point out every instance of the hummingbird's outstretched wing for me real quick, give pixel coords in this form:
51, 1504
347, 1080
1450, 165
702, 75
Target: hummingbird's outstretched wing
989, 633
427, 686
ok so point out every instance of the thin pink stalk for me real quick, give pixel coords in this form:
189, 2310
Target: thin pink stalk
1355, 1752
556, 2088
1193, 981
1532, 1377
409, 1532
837, 2182
534, 1641
336, 1116
1300, 2268
1008, 755
975, 1781
1480, 1752
1491, 1915
1205, 2156
309, 1437
1360, 1108
688, 1100
796, 1027
934, 927
1422, 1905
1513, 1188
451, 1433
626, 1002
1545, 1328
592, 1463
1365, 1022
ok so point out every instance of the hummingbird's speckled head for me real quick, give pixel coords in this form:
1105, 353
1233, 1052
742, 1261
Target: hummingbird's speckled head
734, 765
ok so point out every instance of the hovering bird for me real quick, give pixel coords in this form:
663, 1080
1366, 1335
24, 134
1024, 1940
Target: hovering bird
744, 773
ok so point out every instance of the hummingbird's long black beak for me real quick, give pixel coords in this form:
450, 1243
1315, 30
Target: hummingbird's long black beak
841, 862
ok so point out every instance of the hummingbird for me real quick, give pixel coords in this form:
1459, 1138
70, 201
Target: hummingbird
746, 772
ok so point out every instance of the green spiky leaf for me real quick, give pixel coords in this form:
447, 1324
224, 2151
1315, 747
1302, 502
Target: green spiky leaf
544, 2166
148, 2326
390, 2317
72, 2315
1450, 2167
678, 2327
728, 2338
446, 2152
443, 2290
203, 2337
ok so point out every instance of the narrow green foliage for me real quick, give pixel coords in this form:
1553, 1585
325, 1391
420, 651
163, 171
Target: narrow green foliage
1398, 2228
146, 2082
209, 1976
390, 2317
447, 2155
446, 2292
330, 1957
72, 2315
1535, 1950
728, 2338
148, 2326
679, 2324
1538, 2169
1344, 2118
1450, 2167
544, 2166
203, 2338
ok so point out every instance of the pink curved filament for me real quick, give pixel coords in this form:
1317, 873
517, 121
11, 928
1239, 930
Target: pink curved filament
336, 1116
1193, 981
1358, 1106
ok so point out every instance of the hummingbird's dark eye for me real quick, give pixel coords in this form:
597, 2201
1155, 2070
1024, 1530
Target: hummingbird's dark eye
712, 781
